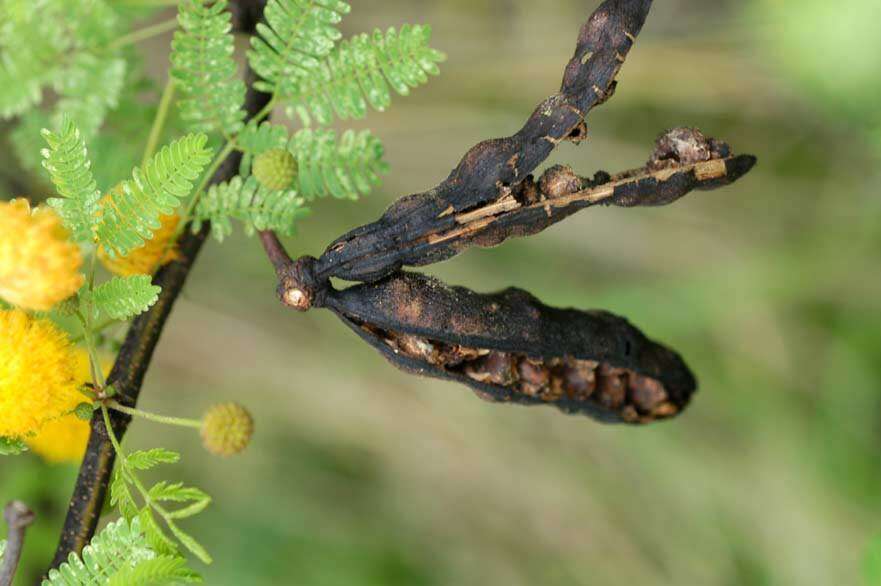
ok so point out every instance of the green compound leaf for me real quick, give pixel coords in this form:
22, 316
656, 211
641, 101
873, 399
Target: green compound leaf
176, 492
363, 71
121, 496
204, 68
133, 214
344, 168
115, 556
297, 34
147, 459
67, 161
122, 298
163, 569
254, 205
11, 446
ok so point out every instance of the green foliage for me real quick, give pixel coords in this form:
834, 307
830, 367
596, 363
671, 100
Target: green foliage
157, 189
11, 446
363, 70
122, 298
163, 569
203, 66
156, 499
253, 204
120, 554
296, 35
40, 45
256, 139
67, 161
89, 90
342, 168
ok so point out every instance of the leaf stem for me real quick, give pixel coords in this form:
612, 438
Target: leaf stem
88, 332
144, 33
96, 329
206, 178
179, 421
159, 121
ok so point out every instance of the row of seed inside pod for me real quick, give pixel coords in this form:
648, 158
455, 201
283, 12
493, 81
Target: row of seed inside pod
635, 397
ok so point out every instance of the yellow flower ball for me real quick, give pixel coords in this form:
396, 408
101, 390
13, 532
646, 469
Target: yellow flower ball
64, 439
38, 380
227, 429
39, 266
147, 259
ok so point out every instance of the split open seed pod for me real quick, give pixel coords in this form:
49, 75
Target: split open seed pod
422, 229
509, 347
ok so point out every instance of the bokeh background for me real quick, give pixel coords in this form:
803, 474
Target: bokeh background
771, 289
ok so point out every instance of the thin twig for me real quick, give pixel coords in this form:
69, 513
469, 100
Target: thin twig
18, 518
275, 250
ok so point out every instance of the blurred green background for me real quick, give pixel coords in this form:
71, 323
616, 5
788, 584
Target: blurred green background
771, 290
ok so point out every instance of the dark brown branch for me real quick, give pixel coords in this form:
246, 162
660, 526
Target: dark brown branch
18, 518
128, 373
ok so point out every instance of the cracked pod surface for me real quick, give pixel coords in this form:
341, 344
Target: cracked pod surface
509, 347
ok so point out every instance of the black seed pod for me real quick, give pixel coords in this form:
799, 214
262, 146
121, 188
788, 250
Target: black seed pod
509, 347
684, 160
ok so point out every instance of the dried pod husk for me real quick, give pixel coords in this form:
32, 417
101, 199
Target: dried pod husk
509, 347
493, 170
683, 161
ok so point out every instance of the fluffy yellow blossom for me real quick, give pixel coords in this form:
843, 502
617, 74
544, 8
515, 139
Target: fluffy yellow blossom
149, 257
64, 439
39, 266
37, 373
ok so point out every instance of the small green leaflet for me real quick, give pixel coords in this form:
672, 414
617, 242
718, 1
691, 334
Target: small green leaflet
131, 217
122, 298
120, 554
147, 459
157, 499
11, 446
67, 161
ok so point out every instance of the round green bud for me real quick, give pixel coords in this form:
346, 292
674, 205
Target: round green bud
275, 169
84, 411
227, 429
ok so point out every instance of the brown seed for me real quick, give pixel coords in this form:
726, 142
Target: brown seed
647, 393
559, 180
534, 377
579, 378
496, 368
611, 390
